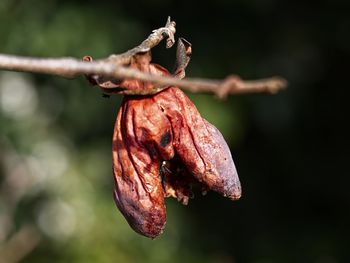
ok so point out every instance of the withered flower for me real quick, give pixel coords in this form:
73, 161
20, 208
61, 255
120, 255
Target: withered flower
161, 146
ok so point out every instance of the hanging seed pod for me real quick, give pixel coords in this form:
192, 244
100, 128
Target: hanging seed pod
152, 129
162, 146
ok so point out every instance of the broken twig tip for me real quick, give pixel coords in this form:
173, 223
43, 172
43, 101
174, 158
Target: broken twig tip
170, 32
276, 84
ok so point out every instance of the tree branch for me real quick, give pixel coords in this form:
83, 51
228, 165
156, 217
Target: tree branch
153, 40
63, 67
115, 66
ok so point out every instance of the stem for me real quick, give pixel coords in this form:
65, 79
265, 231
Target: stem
116, 66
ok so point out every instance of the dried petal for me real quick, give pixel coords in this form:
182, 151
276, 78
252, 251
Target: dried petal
183, 56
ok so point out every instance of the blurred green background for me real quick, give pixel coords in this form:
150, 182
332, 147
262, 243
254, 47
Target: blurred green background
55, 134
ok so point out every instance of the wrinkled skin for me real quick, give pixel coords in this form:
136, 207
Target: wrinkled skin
151, 129
161, 146
199, 145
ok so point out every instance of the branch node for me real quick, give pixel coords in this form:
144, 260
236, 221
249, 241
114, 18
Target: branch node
229, 84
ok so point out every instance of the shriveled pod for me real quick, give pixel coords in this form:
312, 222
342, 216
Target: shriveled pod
199, 144
163, 131
136, 162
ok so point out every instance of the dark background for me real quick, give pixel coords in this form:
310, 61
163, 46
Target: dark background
289, 149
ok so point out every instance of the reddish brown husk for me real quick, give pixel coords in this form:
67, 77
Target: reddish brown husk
152, 129
165, 128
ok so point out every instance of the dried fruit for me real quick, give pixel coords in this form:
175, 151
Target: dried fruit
161, 146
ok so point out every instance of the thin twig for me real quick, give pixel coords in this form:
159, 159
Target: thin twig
63, 67
116, 67
70, 67
153, 40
